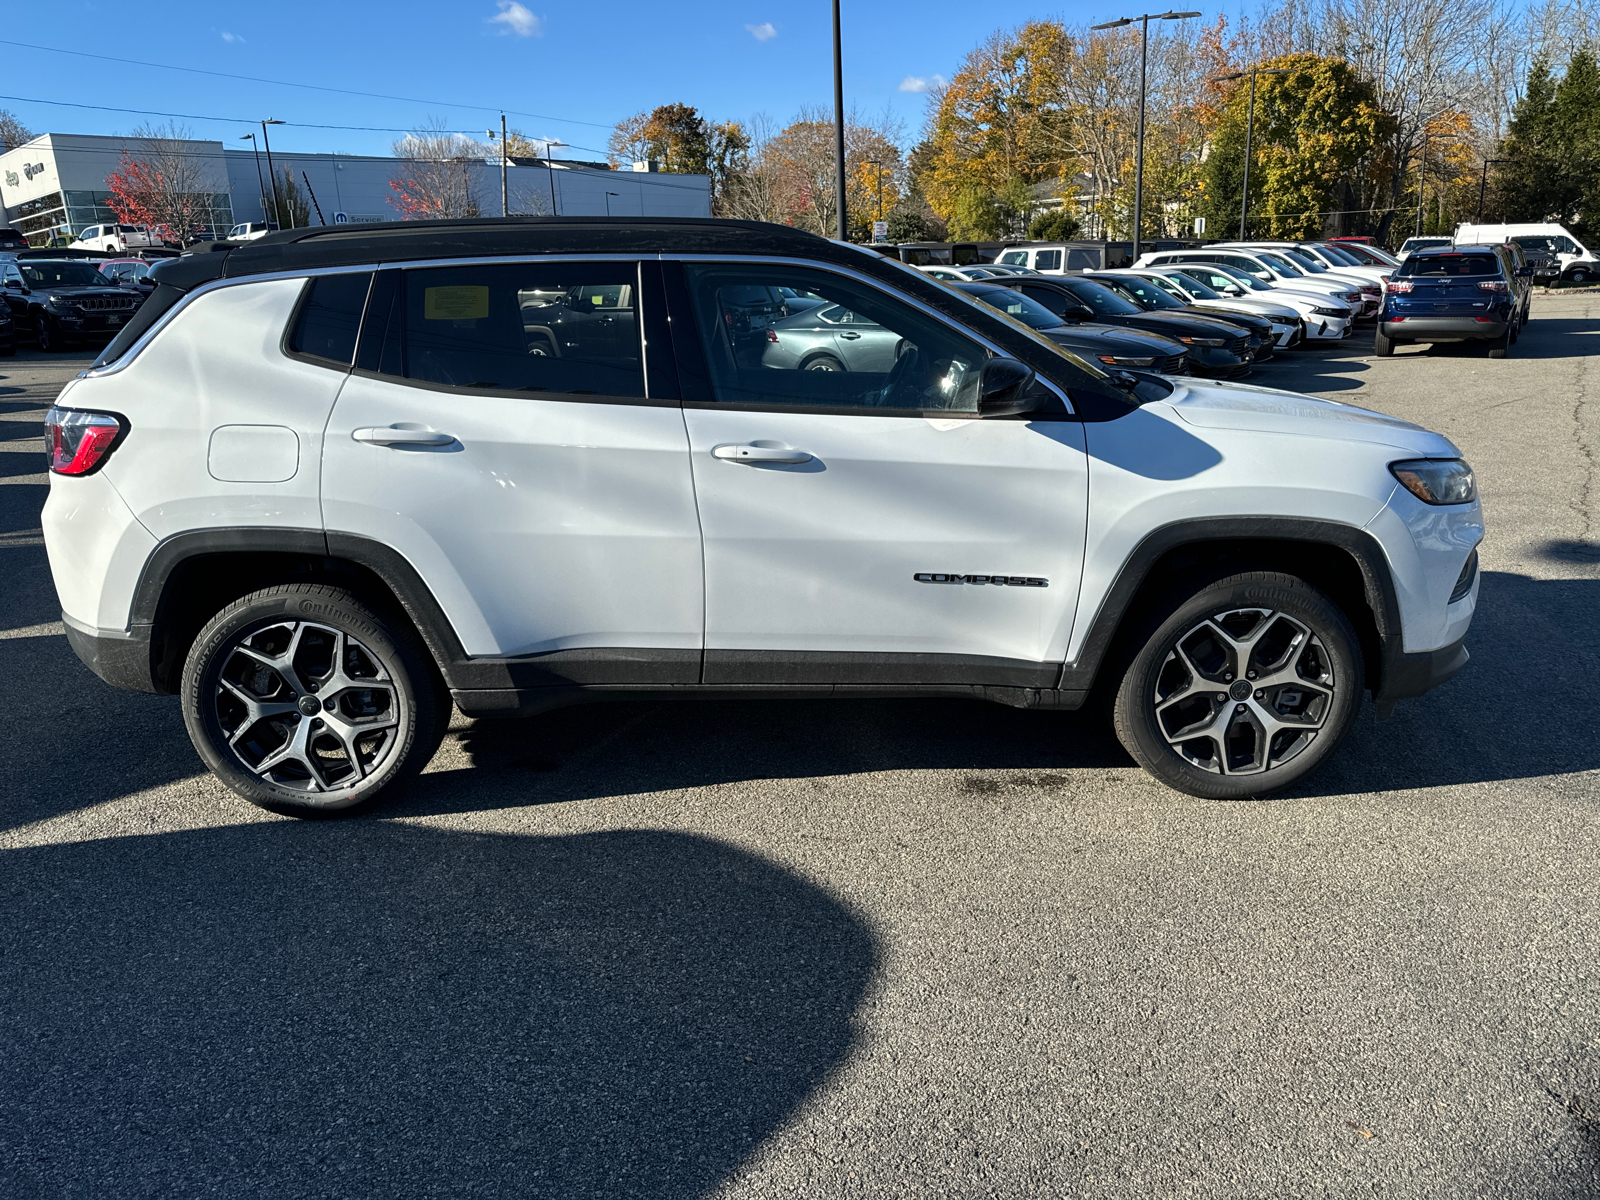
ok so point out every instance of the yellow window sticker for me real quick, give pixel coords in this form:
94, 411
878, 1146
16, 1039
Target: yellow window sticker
455, 303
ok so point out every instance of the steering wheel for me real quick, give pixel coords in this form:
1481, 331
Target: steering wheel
907, 359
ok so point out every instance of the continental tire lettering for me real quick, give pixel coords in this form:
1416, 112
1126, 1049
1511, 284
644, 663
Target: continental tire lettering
991, 580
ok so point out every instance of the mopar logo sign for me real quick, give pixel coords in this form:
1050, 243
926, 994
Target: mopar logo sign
11, 179
32, 169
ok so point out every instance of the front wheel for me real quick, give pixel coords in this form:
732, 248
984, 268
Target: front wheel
305, 702
47, 335
1580, 275
1246, 687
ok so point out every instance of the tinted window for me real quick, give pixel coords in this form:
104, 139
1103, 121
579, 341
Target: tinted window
1102, 299
1142, 292
859, 349
330, 318
62, 274
1047, 260
1441, 266
562, 328
1196, 283
1016, 306
1017, 258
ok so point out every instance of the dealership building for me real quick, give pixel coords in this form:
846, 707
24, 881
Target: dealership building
56, 184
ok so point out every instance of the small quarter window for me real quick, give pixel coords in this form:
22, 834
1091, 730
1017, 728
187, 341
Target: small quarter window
330, 318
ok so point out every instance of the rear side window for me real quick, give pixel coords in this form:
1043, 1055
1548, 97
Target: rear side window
330, 318
1047, 260
554, 328
1445, 266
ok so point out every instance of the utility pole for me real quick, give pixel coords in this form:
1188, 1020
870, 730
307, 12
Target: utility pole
1144, 54
277, 204
505, 205
838, 127
1249, 131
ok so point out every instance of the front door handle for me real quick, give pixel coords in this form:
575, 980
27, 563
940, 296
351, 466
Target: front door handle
389, 435
751, 453
849, 335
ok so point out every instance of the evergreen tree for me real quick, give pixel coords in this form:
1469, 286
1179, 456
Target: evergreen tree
1527, 182
1576, 121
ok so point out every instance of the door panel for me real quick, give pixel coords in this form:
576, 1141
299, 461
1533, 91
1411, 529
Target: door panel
541, 521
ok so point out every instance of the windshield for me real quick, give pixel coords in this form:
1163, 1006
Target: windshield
62, 274
1341, 256
1282, 265
1303, 260
1445, 266
1244, 277
1103, 300
1143, 292
1017, 306
1197, 288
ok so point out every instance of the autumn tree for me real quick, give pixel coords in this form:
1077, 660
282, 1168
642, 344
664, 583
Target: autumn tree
435, 175
1312, 127
683, 142
13, 133
161, 183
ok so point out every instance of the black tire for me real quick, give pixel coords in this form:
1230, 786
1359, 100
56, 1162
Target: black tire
1501, 346
1317, 681
822, 362
1580, 275
1382, 346
232, 689
8, 350
46, 335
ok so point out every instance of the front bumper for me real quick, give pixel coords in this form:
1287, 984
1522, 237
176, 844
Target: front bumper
1406, 676
1423, 329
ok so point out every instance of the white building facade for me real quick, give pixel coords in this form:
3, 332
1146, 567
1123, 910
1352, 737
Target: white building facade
55, 186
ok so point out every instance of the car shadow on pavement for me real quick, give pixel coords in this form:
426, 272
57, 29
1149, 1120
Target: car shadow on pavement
1517, 711
361, 1009
1314, 371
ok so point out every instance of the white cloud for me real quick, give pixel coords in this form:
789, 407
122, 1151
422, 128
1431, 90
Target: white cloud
231, 37
763, 32
913, 83
518, 20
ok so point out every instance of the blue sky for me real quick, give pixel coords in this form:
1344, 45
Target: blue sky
569, 63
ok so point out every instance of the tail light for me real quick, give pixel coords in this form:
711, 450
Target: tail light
78, 442
1401, 285
1495, 285
772, 335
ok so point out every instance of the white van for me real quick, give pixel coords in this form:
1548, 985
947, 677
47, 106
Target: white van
1058, 258
1578, 265
115, 239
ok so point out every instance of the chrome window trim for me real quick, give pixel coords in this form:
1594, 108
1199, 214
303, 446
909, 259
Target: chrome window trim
876, 284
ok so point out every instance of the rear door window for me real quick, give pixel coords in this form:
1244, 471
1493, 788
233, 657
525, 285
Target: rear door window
1047, 260
557, 329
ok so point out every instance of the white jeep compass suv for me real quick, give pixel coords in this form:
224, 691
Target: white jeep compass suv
330, 481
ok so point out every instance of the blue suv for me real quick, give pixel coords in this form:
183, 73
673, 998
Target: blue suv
1452, 294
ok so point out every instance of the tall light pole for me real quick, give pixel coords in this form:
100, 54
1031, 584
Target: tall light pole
1249, 130
256, 149
277, 204
550, 165
608, 201
877, 163
505, 208
1138, 160
1483, 185
838, 127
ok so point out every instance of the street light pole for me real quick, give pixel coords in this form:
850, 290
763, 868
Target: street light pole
838, 127
505, 204
1144, 54
608, 201
550, 165
1483, 185
255, 148
1249, 130
277, 204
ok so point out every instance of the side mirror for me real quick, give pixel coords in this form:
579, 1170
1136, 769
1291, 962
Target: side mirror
1123, 380
1004, 387
1077, 311
1524, 272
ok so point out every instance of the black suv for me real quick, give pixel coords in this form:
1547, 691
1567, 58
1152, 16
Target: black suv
63, 301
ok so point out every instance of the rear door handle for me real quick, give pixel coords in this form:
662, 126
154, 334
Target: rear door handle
388, 435
849, 335
750, 453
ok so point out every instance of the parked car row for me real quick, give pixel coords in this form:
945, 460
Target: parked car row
58, 303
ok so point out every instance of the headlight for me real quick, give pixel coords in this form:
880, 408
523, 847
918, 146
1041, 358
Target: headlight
1114, 361
1194, 341
1331, 312
1437, 480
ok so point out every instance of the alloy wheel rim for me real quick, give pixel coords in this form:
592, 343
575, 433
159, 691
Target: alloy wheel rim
307, 707
1244, 691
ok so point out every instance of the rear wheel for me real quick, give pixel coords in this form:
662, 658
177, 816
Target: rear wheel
305, 702
823, 362
1382, 346
1501, 346
1246, 687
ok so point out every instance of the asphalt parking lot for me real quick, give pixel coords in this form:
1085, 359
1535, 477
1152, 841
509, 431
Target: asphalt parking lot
882, 949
